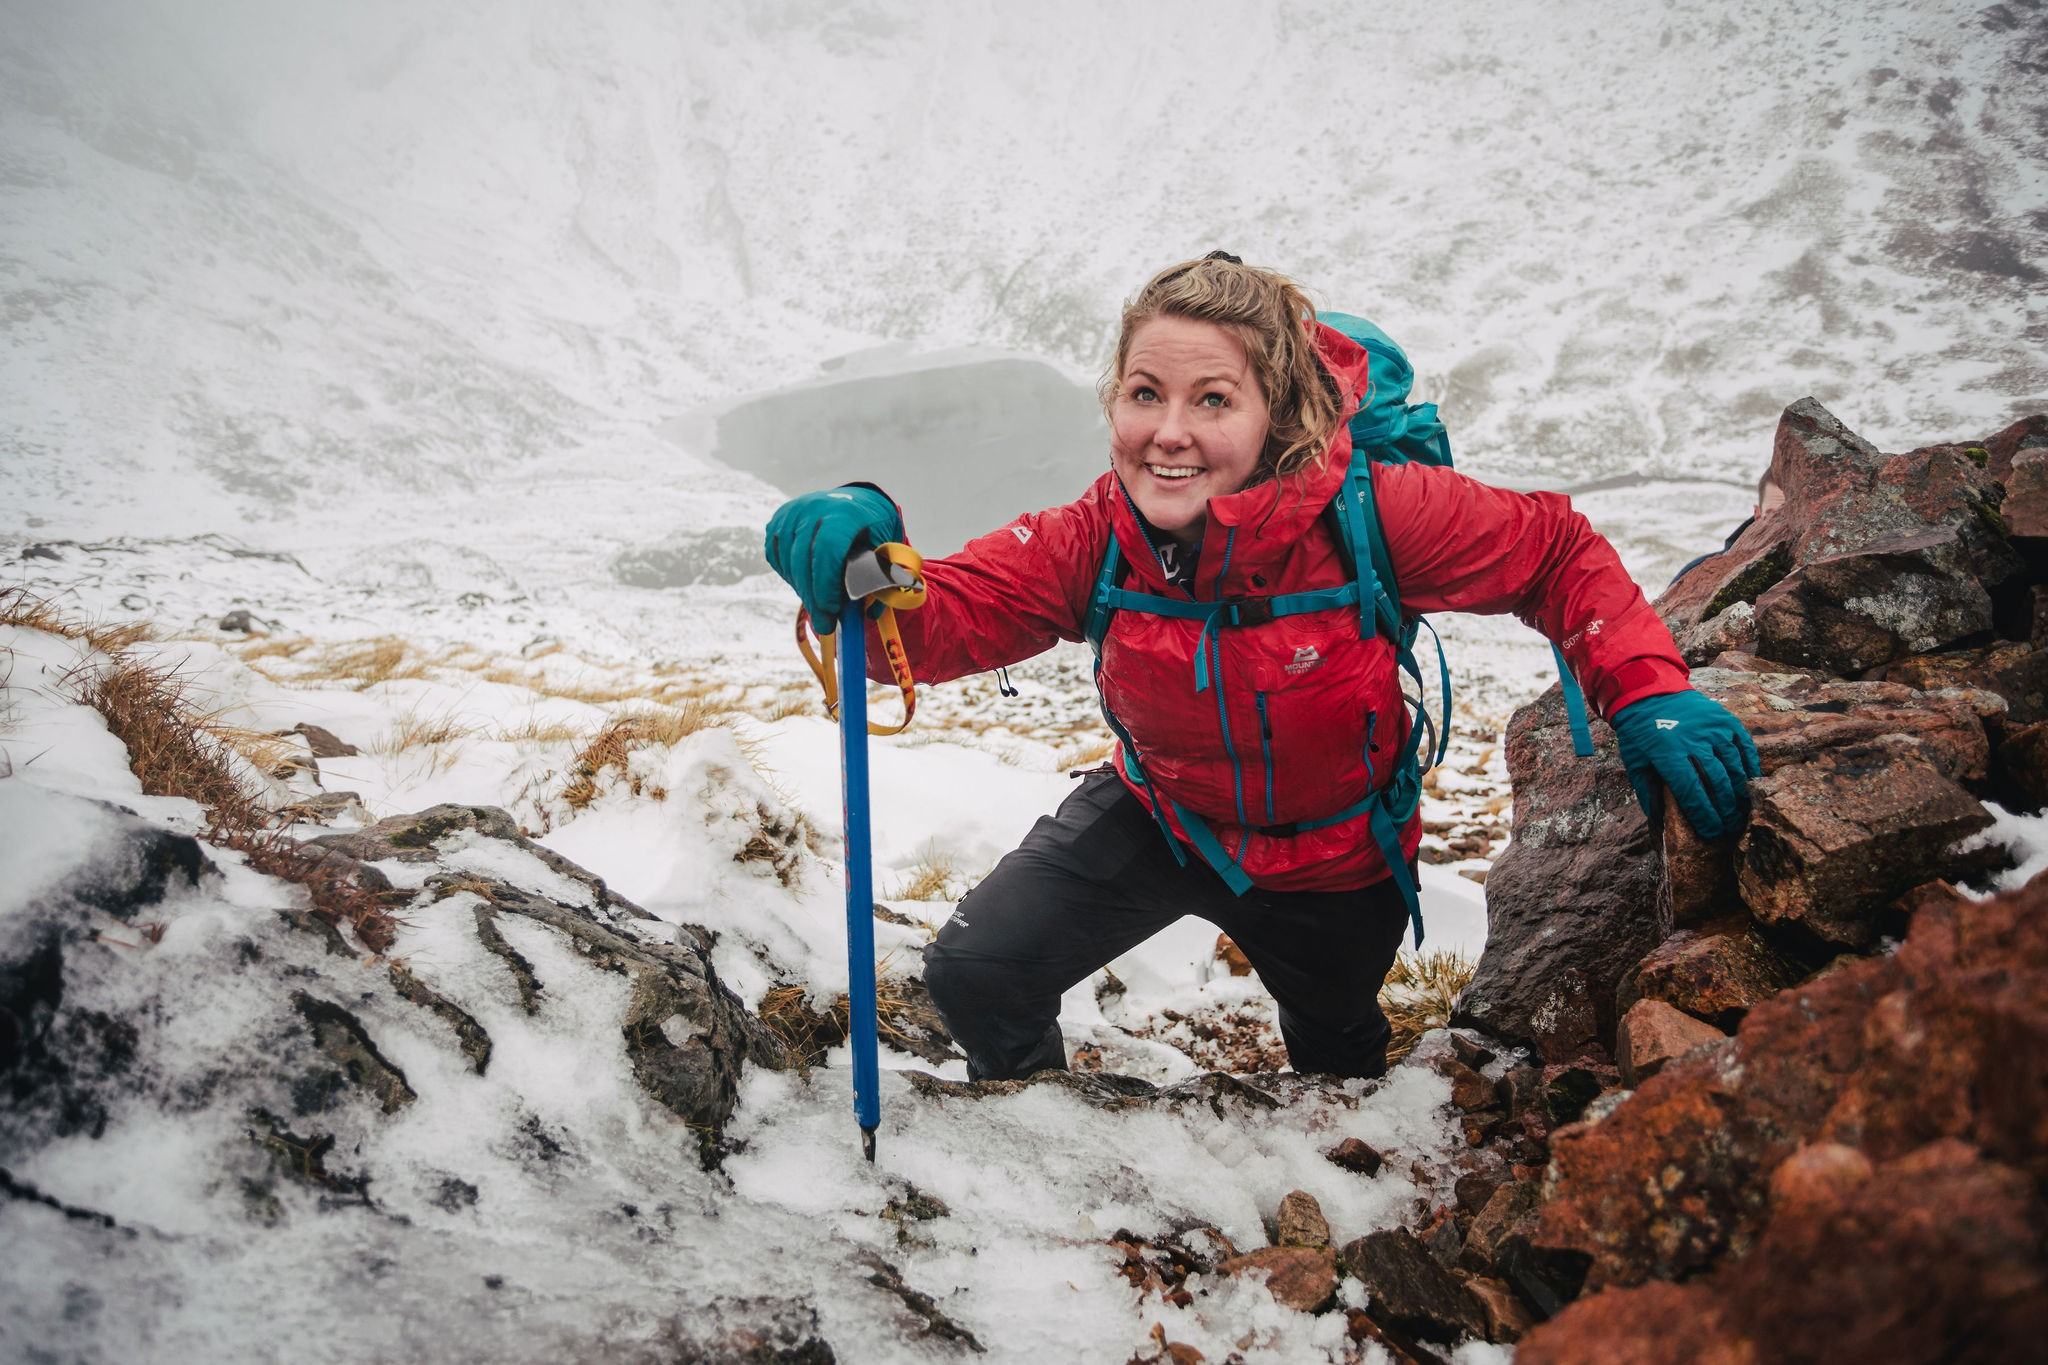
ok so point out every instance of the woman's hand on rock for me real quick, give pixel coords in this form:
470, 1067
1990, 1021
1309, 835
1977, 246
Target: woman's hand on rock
1698, 749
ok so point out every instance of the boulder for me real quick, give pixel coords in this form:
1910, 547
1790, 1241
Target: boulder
1851, 612
1842, 497
1299, 1222
1945, 1038
1698, 881
2004, 449
1834, 841
1300, 1278
324, 743
1652, 1033
1717, 972
1408, 1292
1932, 1256
1572, 904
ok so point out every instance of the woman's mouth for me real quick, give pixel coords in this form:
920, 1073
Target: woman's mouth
1172, 473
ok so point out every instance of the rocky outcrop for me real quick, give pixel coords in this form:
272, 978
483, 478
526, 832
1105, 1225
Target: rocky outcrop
1865, 1155
713, 558
687, 1036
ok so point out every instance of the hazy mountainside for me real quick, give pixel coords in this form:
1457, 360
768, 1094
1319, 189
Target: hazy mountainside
482, 252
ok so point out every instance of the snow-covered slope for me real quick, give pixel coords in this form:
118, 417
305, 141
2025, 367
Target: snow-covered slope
276, 261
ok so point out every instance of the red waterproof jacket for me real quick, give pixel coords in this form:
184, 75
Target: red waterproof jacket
1300, 703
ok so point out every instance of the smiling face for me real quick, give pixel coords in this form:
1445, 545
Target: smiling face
1188, 422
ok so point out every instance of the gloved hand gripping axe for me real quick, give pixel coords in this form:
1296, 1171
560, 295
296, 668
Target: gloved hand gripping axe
882, 581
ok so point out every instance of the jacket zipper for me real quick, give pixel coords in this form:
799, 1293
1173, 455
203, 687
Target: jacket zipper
1266, 748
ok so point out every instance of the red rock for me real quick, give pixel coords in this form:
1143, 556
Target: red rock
2015, 671
1507, 1317
1653, 1033
1470, 1091
1355, 1156
1717, 972
2025, 508
2029, 433
1832, 842
1947, 1037
1935, 1256
1512, 1209
1841, 497
1297, 1277
1698, 874
1814, 1175
1795, 718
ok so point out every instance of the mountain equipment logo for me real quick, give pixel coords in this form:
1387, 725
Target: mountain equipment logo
1023, 534
1667, 725
1305, 658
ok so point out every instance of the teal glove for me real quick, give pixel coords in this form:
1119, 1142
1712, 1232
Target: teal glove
810, 538
1698, 748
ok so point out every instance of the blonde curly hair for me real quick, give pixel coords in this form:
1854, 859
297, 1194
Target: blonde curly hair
1274, 320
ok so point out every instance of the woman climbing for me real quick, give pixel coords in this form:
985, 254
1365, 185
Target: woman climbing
1261, 725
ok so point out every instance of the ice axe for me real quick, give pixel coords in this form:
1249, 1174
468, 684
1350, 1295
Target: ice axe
884, 580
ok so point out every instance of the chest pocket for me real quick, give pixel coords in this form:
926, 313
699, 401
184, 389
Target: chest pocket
1316, 690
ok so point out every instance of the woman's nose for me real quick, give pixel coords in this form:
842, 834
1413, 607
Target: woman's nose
1173, 432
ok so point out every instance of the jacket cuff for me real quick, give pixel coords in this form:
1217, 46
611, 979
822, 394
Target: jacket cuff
1635, 679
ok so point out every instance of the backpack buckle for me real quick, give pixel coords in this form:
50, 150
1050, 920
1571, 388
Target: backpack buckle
1248, 611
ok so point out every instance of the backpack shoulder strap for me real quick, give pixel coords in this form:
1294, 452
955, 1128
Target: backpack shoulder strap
1364, 544
1097, 625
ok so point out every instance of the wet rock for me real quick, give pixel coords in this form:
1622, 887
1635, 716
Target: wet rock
1356, 1156
1442, 1239
1717, 972
1832, 842
1933, 1256
1507, 1318
1652, 1033
1569, 1087
1473, 1190
1947, 1037
1572, 904
1470, 1091
1300, 1278
1470, 1051
713, 558
1794, 718
1851, 612
471, 1036
1299, 1222
1408, 1292
324, 743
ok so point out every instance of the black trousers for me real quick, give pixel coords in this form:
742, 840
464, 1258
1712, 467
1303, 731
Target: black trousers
1096, 879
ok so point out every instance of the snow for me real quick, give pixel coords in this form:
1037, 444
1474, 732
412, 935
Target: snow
400, 327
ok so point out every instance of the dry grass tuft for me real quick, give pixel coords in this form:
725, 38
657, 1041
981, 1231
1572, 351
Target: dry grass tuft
929, 878
1418, 995
537, 731
175, 749
273, 648
416, 730
20, 607
170, 747
904, 1016
647, 726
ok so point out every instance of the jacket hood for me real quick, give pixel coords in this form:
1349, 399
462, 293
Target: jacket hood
1262, 523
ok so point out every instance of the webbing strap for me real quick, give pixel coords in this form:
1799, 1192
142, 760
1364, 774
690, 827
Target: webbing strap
1389, 839
1574, 706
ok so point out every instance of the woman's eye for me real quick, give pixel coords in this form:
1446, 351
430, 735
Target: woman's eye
1144, 393
1214, 400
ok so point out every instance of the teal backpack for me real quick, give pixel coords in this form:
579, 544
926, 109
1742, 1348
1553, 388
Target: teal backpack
1386, 430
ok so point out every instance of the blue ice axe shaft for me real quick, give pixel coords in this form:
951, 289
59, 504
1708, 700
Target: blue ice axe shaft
860, 879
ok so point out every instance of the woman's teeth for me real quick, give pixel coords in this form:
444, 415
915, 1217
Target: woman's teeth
1172, 472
